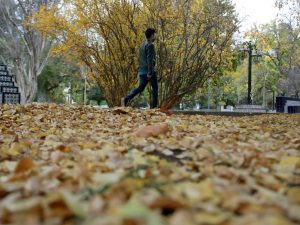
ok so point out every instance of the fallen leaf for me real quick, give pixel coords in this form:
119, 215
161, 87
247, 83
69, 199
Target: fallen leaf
166, 111
23, 204
211, 218
167, 204
152, 130
14, 150
75, 205
63, 148
24, 165
288, 164
135, 210
120, 111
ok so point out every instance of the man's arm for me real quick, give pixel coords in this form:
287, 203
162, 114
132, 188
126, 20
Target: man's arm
150, 59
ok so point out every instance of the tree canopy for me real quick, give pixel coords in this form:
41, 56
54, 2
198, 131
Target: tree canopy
195, 39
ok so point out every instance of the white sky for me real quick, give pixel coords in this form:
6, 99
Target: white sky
255, 12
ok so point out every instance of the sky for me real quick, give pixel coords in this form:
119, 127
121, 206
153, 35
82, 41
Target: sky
255, 12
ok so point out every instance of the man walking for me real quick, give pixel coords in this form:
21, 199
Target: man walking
147, 71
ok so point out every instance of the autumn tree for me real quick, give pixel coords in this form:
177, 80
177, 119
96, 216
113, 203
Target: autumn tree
101, 35
291, 18
279, 42
24, 49
194, 41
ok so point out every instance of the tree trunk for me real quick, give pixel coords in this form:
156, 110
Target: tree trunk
27, 83
169, 103
26, 49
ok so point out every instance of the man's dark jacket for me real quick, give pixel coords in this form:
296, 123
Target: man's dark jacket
147, 59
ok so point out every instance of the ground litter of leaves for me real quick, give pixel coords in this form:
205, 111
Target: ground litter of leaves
65, 164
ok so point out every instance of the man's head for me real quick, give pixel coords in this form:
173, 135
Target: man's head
150, 34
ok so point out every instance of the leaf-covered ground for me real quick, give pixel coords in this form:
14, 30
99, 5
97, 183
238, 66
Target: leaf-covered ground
81, 165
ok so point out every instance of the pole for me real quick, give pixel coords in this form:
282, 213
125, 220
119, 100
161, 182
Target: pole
208, 100
264, 93
84, 97
273, 100
250, 74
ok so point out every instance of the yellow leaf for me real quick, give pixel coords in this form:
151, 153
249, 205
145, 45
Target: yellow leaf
210, 218
288, 164
14, 150
74, 204
23, 204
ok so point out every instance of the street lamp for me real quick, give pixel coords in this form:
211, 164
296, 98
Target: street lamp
252, 54
209, 92
85, 83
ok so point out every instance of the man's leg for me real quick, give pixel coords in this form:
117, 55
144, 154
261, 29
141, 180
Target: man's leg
139, 89
154, 85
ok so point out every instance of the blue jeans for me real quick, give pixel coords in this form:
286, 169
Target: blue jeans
143, 83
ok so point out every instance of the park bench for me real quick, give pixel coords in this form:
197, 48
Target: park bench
250, 109
9, 93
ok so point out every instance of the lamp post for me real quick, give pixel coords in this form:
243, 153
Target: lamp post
252, 54
84, 97
209, 92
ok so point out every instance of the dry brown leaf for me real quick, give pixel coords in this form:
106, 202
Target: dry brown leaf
166, 111
24, 165
63, 148
167, 203
120, 111
152, 130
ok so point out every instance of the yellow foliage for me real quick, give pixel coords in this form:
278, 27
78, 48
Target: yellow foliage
105, 36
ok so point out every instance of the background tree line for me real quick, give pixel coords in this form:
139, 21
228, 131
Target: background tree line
276, 73
104, 36
52, 45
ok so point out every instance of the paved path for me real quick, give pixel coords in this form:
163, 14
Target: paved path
191, 112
